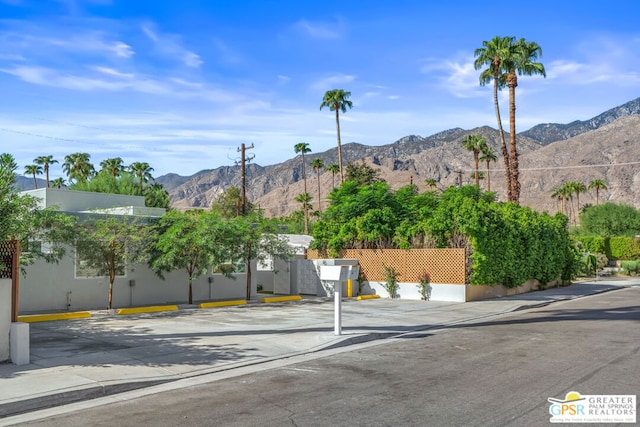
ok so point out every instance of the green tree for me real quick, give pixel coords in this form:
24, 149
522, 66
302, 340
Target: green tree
578, 188
609, 220
303, 148
431, 183
33, 170
361, 173
334, 169
114, 166
191, 241
318, 165
229, 203
305, 199
521, 61
110, 243
58, 182
475, 144
337, 100
156, 196
45, 162
597, 184
488, 156
493, 54
78, 167
142, 171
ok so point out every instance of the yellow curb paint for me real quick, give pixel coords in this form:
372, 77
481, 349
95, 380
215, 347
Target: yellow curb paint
222, 303
152, 309
53, 316
281, 299
361, 297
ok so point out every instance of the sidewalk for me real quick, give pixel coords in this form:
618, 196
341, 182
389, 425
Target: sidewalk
82, 359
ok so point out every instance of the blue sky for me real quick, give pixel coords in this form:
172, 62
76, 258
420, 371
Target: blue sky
181, 84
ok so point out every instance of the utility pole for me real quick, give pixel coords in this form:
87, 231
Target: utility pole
242, 151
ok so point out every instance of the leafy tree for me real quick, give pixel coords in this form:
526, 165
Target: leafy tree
33, 170
334, 169
475, 144
521, 61
493, 55
108, 243
156, 196
361, 173
45, 161
228, 203
142, 171
488, 156
597, 184
104, 182
317, 165
192, 241
78, 167
303, 148
609, 220
114, 166
337, 100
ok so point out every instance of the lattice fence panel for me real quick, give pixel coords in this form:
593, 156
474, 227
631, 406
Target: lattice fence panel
443, 265
7, 251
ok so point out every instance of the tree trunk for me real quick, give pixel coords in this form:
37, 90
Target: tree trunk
512, 83
249, 271
46, 172
306, 209
476, 156
488, 177
503, 142
319, 205
339, 144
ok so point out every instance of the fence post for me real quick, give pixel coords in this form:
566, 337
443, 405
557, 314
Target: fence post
15, 275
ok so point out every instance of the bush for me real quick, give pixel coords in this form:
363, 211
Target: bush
626, 248
391, 284
630, 267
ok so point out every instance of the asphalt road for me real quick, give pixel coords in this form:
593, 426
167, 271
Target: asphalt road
495, 373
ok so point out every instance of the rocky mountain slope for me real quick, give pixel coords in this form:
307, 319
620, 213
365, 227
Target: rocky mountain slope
551, 154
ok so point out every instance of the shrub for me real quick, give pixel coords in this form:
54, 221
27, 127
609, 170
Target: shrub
391, 284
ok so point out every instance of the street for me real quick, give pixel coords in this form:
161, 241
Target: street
496, 372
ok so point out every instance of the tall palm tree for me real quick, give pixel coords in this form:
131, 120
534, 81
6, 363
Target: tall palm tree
305, 199
114, 166
559, 196
33, 170
597, 184
142, 171
521, 61
334, 169
317, 165
492, 54
78, 167
337, 100
431, 182
578, 188
567, 193
488, 156
303, 148
45, 161
475, 144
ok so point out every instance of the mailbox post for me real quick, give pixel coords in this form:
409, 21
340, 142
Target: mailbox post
336, 274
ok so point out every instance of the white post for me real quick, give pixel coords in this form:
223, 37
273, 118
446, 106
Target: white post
337, 288
19, 337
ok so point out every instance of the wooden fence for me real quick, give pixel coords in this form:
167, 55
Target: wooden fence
443, 265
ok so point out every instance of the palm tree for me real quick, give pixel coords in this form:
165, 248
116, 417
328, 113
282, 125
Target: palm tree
492, 54
45, 161
58, 182
337, 100
598, 184
559, 196
317, 165
488, 156
476, 144
334, 169
142, 171
577, 188
33, 170
567, 193
78, 167
431, 182
303, 148
521, 61
114, 166
305, 198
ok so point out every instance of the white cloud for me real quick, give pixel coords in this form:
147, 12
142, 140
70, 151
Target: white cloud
331, 82
320, 30
170, 45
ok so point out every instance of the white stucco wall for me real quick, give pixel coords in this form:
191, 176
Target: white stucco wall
79, 201
439, 291
54, 287
5, 318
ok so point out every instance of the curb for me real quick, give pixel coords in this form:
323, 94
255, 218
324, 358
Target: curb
222, 303
152, 309
32, 318
365, 297
282, 299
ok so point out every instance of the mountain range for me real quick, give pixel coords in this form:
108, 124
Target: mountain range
603, 147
